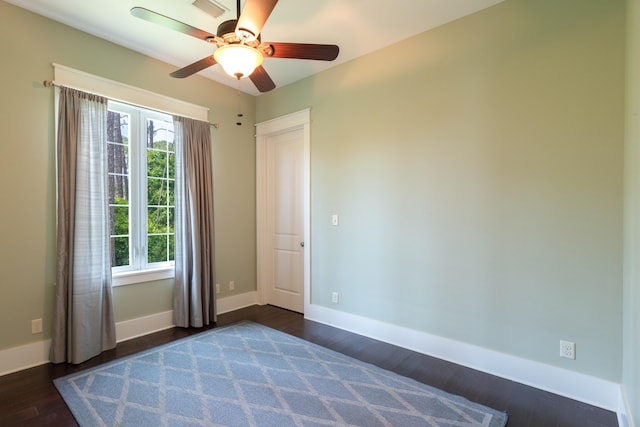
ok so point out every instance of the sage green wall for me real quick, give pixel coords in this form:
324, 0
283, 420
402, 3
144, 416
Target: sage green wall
29, 44
477, 171
631, 331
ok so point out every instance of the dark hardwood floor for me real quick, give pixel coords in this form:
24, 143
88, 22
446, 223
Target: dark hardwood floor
28, 398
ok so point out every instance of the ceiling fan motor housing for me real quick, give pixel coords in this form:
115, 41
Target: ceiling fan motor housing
226, 34
227, 27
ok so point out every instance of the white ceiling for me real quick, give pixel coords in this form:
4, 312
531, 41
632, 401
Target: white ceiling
358, 27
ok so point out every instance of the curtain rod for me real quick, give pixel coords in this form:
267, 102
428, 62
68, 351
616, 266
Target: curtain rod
52, 83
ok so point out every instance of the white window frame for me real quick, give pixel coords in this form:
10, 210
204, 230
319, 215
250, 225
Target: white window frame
139, 270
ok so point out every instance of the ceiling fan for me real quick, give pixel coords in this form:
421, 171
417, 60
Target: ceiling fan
240, 51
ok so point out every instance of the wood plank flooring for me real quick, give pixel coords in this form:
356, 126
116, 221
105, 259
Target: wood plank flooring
28, 398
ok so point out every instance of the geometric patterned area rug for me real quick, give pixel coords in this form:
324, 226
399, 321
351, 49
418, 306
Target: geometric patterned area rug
247, 374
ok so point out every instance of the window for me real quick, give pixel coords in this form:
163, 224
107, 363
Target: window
141, 176
130, 236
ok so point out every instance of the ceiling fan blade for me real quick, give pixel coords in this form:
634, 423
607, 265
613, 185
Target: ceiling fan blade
194, 68
261, 79
254, 15
320, 52
165, 21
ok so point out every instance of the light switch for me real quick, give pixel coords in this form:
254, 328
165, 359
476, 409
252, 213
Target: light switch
334, 219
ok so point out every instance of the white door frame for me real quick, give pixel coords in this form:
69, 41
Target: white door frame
289, 122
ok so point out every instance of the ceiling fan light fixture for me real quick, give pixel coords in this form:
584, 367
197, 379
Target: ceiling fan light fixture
238, 60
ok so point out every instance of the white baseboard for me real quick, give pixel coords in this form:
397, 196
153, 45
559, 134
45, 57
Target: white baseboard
140, 326
624, 411
23, 357
577, 386
27, 356
236, 302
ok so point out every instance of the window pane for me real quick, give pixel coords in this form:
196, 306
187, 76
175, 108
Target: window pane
118, 127
160, 189
157, 163
157, 220
157, 192
118, 189
118, 186
171, 189
171, 220
172, 165
118, 158
118, 171
119, 251
158, 248
160, 134
119, 217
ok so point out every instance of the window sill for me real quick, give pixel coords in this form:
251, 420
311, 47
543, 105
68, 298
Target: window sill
132, 277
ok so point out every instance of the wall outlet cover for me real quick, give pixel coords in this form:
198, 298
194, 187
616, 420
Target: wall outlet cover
568, 349
36, 326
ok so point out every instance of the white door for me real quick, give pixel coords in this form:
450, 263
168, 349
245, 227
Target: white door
282, 207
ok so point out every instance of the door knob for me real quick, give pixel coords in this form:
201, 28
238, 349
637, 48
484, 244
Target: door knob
302, 244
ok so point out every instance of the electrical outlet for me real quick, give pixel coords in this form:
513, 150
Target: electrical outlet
217, 288
36, 326
335, 297
568, 349
232, 285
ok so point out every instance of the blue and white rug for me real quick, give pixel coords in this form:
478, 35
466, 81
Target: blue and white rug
250, 375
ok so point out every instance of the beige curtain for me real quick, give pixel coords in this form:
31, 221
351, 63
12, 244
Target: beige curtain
83, 323
194, 290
